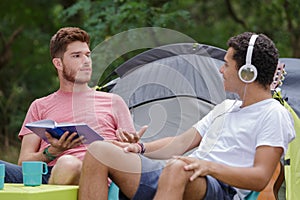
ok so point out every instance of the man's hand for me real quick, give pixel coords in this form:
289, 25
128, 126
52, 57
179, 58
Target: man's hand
128, 147
65, 142
125, 136
199, 167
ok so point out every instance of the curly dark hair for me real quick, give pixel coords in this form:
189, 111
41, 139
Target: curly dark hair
65, 36
264, 57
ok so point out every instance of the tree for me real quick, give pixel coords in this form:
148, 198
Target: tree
25, 31
278, 19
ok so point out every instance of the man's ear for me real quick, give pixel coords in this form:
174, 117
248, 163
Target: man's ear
57, 63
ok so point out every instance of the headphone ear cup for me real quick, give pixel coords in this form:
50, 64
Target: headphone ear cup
248, 73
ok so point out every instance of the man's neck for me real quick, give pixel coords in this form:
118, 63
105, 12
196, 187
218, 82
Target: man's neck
74, 87
254, 94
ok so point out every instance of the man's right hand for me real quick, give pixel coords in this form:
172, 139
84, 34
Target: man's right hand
65, 142
125, 136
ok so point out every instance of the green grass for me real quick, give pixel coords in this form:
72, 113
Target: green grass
10, 154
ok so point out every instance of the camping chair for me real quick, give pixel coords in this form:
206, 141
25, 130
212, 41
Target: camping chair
271, 190
113, 192
290, 98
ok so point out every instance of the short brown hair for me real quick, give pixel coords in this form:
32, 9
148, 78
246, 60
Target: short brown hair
65, 36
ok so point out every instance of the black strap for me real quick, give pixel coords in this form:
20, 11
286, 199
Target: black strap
287, 162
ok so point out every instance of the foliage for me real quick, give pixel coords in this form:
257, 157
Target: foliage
103, 19
10, 153
25, 61
106, 18
209, 22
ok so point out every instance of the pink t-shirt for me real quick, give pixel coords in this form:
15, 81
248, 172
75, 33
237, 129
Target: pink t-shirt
103, 112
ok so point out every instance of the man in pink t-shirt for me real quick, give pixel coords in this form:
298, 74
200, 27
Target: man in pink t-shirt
74, 101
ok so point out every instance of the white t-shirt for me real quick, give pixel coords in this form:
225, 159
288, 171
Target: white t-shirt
230, 134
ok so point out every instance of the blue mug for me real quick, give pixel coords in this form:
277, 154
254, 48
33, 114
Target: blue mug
2, 176
33, 171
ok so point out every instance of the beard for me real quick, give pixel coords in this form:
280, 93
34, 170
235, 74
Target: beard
74, 76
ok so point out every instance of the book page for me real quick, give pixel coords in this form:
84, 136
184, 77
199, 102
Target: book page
47, 123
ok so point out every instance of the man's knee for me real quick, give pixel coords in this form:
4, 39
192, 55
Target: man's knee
100, 147
69, 162
105, 153
112, 157
175, 166
174, 172
66, 171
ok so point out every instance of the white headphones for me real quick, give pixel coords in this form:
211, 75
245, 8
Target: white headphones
248, 72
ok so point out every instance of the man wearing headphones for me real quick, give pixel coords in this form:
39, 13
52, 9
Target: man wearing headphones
239, 143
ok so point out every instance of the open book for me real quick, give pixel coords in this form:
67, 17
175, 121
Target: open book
58, 129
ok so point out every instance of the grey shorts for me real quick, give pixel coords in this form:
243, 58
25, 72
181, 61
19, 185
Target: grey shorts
217, 190
151, 170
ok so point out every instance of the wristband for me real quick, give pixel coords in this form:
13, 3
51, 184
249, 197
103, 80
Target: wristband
143, 149
48, 155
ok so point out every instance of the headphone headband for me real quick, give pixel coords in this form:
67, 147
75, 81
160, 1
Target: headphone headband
250, 49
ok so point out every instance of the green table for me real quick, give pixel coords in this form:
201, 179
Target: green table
43, 192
